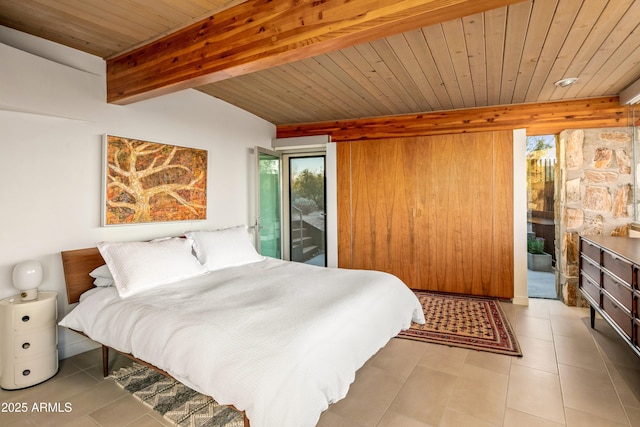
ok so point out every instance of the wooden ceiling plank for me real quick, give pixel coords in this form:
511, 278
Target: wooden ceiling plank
334, 73
336, 80
474, 32
328, 101
61, 27
517, 25
495, 22
423, 55
183, 10
618, 33
563, 20
539, 23
427, 99
171, 63
318, 90
304, 95
584, 31
632, 67
434, 36
456, 44
103, 15
246, 93
291, 104
227, 90
606, 21
400, 79
366, 57
350, 60
625, 58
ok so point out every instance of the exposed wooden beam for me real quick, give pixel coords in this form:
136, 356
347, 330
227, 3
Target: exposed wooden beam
547, 118
260, 34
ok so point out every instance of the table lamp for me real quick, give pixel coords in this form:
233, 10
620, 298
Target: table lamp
27, 276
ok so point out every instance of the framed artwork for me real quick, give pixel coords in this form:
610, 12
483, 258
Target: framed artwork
149, 182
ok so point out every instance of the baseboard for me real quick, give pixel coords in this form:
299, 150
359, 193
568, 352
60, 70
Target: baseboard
520, 300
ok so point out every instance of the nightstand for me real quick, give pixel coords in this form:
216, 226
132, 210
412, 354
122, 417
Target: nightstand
28, 340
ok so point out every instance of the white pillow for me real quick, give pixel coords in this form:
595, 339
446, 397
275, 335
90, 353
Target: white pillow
140, 266
224, 248
102, 276
102, 271
103, 282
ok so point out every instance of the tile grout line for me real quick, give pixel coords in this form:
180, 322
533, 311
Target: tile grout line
400, 389
615, 388
555, 351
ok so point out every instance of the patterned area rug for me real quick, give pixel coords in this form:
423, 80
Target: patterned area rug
176, 402
472, 322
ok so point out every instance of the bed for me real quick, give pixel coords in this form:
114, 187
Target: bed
277, 340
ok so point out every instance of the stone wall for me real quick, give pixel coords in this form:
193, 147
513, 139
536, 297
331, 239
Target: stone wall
596, 197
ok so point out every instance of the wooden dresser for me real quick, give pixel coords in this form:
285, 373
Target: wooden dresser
610, 280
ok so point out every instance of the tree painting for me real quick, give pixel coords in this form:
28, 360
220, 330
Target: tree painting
152, 182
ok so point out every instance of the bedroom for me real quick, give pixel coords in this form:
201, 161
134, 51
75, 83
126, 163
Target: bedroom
52, 120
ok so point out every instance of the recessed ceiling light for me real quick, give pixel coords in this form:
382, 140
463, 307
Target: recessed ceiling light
566, 82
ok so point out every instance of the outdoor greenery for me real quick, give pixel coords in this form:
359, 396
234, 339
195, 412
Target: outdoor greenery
542, 142
308, 191
535, 245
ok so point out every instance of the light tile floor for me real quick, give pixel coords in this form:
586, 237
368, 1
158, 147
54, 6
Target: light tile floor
570, 375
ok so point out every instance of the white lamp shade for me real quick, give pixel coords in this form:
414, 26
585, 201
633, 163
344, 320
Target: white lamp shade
27, 275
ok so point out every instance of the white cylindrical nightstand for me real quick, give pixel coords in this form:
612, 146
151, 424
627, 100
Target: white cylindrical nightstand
28, 340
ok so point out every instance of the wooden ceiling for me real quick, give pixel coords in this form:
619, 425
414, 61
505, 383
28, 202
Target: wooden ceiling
509, 55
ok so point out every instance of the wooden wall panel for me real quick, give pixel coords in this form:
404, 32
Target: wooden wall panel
426, 210
343, 170
383, 207
502, 269
455, 193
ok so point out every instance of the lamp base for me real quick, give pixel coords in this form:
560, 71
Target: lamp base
29, 294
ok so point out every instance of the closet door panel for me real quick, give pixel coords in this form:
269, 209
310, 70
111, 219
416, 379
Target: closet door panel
436, 211
383, 207
343, 170
454, 198
502, 283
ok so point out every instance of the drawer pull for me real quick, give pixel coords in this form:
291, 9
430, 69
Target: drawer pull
25, 318
26, 372
26, 345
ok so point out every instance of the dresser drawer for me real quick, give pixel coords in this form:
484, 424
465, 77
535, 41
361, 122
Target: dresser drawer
591, 289
34, 371
618, 290
591, 250
591, 270
618, 315
36, 342
618, 266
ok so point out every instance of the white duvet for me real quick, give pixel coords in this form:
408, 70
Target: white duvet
277, 339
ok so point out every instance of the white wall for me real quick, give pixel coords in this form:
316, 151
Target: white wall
53, 115
520, 286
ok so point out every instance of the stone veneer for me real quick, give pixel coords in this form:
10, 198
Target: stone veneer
595, 196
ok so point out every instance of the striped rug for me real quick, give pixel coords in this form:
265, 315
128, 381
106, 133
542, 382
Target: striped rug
176, 402
477, 323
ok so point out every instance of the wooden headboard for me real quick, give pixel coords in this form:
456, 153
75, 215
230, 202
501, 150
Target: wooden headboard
77, 265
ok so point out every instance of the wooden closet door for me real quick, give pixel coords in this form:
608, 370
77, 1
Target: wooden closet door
435, 211
502, 271
383, 207
455, 229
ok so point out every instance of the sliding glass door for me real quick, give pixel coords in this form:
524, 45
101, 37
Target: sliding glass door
268, 204
306, 209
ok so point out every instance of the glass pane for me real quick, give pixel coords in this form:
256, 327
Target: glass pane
307, 225
270, 228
